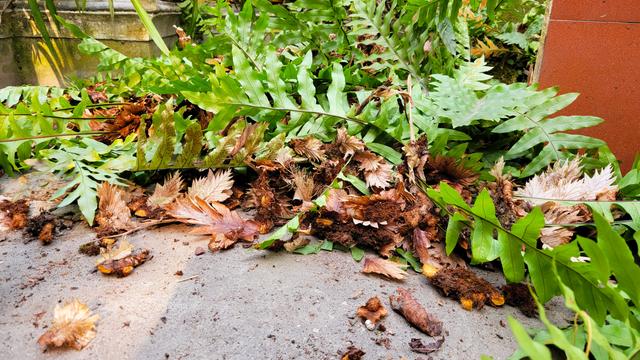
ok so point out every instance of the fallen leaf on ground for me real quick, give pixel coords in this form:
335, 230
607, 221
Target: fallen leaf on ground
215, 187
372, 312
73, 326
414, 313
418, 346
167, 192
352, 353
226, 227
464, 285
113, 213
384, 267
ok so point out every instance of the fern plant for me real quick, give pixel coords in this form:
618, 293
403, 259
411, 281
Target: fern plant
610, 256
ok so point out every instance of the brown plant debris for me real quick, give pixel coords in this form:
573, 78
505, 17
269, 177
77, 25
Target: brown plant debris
404, 303
566, 181
379, 221
270, 204
377, 171
464, 285
73, 326
451, 170
14, 214
418, 346
519, 296
430, 251
125, 121
226, 227
215, 187
166, 193
309, 147
352, 353
42, 227
113, 213
347, 144
90, 248
508, 209
384, 267
122, 260
372, 312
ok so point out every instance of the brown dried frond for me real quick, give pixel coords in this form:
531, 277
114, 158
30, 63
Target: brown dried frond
416, 157
452, 170
431, 252
554, 214
73, 325
377, 171
384, 267
127, 120
565, 181
348, 144
271, 207
113, 213
303, 184
309, 147
215, 187
167, 192
226, 227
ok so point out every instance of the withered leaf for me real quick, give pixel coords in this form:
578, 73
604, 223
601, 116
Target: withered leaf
113, 213
348, 144
73, 325
377, 172
418, 346
215, 187
451, 169
384, 267
309, 147
565, 181
303, 184
167, 192
225, 226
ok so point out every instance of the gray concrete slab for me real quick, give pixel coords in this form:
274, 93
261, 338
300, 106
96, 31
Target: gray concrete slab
238, 304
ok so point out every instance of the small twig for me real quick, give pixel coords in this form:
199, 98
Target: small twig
141, 227
412, 134
189, 278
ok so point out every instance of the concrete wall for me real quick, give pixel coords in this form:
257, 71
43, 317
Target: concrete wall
29, 61
592, 47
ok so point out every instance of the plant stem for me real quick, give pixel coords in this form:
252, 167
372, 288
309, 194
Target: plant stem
90, 133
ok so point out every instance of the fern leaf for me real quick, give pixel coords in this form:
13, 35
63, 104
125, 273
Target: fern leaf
593, 295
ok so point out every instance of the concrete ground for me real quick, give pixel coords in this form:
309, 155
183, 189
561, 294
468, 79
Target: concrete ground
237, 304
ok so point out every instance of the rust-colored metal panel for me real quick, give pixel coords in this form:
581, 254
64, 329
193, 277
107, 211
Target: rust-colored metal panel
597, 10
599, 60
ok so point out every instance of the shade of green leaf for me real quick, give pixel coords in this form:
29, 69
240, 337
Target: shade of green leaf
149, 26
356, 253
